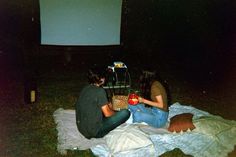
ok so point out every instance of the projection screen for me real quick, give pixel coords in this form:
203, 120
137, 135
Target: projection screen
80, 22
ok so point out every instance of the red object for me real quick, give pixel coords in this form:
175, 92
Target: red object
133, 99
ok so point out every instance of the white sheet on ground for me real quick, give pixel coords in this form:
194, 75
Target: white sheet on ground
213, 136
127, 137
68, 135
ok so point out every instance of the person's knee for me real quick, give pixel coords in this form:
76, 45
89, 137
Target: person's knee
125, 113
137, 117
132, 108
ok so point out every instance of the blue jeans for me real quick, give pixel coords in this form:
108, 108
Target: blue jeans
112, 122
151, 115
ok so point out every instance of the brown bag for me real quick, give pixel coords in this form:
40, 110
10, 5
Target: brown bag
119, 102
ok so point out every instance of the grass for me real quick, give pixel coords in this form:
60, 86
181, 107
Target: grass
32, 130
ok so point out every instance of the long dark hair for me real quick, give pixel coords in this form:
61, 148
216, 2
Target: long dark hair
146, 79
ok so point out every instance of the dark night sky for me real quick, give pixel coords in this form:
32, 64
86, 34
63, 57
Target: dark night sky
200, 34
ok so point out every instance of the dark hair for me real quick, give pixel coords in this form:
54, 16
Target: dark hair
95, 74
146, 79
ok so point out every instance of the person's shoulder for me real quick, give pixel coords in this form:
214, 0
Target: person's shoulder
89, 87
156, 83
96, 88
86, 87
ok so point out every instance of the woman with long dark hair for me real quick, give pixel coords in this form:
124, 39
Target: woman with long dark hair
153, 104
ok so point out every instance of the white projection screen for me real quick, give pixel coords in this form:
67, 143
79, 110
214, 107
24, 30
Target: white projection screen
80, 22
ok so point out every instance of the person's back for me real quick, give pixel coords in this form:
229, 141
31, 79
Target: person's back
158, 89
88, 110
94, 117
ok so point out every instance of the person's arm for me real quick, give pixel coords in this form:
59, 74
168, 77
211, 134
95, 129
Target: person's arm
107, 111
159, 102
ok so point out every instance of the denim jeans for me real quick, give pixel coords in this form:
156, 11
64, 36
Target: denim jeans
151, 115
112, 122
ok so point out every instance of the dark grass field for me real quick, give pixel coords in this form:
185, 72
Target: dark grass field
29, 129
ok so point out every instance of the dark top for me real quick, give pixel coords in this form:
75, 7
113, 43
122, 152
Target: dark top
88, 110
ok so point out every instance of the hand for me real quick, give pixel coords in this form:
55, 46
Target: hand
110, 105
140, 99
107, 111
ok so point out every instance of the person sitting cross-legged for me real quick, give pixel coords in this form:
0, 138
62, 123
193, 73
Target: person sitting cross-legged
153, 110
94, 115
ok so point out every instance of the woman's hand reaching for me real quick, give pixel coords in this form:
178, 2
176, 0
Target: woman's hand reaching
140, 99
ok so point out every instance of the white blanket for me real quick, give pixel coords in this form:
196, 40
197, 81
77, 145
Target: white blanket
69, 137
213, 136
